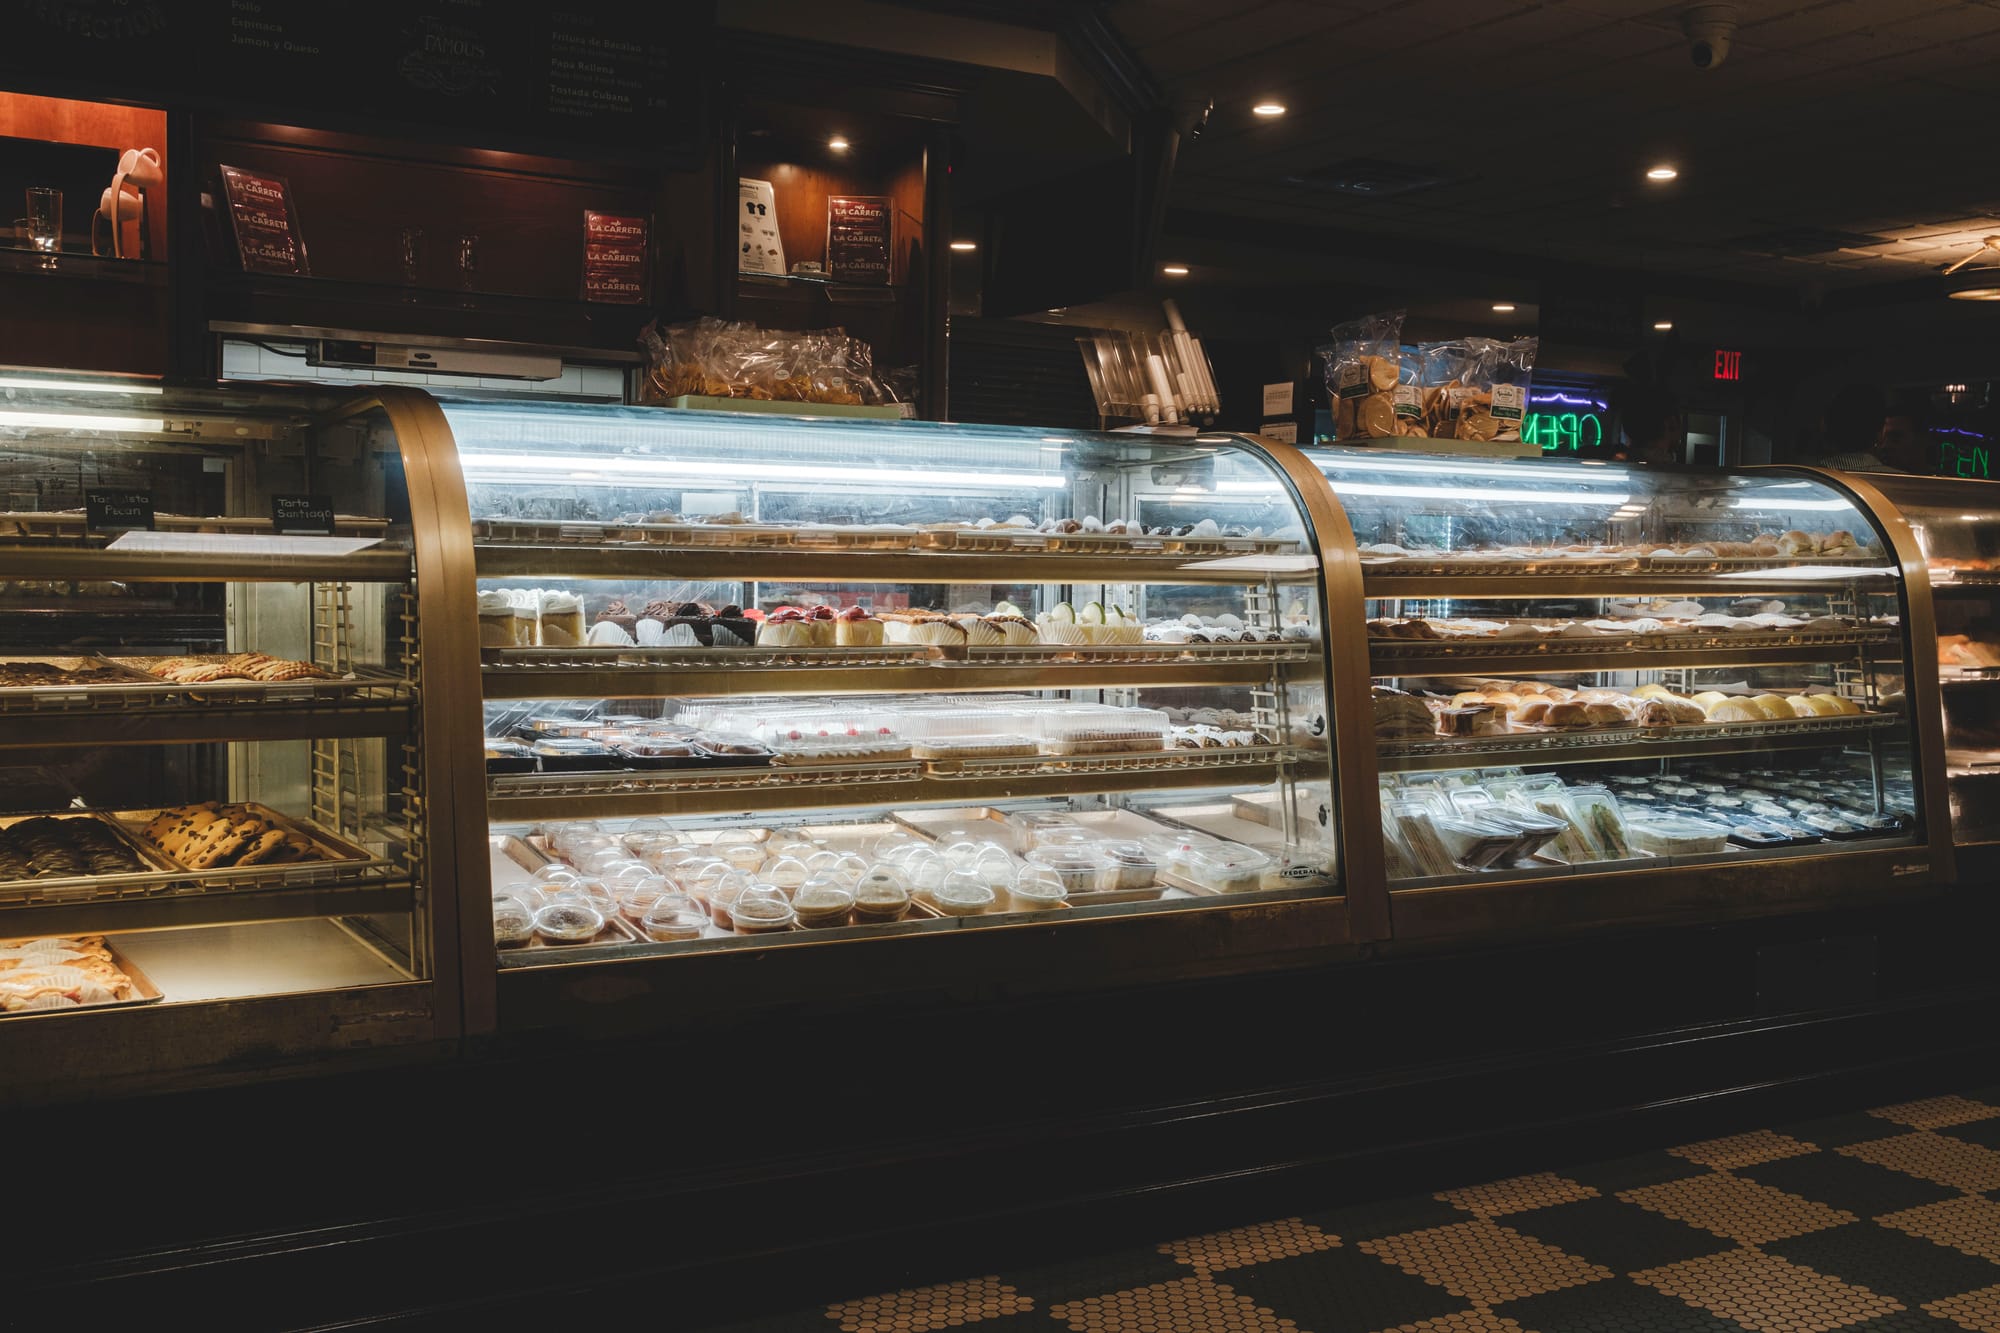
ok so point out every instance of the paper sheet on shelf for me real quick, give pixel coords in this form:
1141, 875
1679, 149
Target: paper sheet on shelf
238, 543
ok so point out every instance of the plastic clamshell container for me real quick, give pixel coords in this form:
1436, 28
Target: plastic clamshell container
1028, 826
1132, 866
576, 756
504, 756
1228, 868
1598, 814
1667, 834
1102, 730
1081, 868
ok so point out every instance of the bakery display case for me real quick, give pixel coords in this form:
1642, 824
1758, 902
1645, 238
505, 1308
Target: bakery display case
1606, 693
1957, 529
752, 682
216, 803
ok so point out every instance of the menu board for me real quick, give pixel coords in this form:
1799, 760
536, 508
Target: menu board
265, 222
614, 258
589, 74
858, 238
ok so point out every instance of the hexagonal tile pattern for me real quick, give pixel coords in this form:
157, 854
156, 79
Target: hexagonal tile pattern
1968, 1223
1740, 1209
1978, 1311
1221, 1250
1517, 1194
1840, 1181
1767, 1294
1761, 1145
1618, 1306
1465, 1321
1485, 1262
1902, 1267
1937, 1112
1190, 1305
923, 1309
1621, 1236
1934, 1157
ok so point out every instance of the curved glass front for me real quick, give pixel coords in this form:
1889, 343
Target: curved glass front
212, 780
1585, 667
1957, 526
760, 679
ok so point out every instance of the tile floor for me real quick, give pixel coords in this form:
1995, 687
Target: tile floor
1886, 1221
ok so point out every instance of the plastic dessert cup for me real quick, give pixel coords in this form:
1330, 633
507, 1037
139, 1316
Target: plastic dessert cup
513, 923
761, 909
672, 917
821, 903
881, 895
1038, 889
568, 923
965, 893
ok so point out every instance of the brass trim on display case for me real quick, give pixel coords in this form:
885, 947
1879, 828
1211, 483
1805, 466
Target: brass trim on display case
1920, 684
1350, 709
1502, 587
370, 566
750, 564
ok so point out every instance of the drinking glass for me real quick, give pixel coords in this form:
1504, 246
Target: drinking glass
45, 208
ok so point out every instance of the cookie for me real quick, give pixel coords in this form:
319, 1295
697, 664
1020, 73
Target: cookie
219, 844
265, 848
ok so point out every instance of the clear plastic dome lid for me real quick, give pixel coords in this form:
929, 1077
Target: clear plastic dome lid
786, 872
924, 869
745, 856
575, 844
594, 893
1039, 885
556, 874
513, 920
647, 845
604, 860
529, 894
821, 859
847, 870
761, 907
823, 901
636, 895
1059, 835
881, 888
799, 848
1172, 849
967, 853
555, 831
965, 893
995, 865
891, 839
1127, 853
703, 876
568, 922
665, 859
897, 852
674, 916
737, 837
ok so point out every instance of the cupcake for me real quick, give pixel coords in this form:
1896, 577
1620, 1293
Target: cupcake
606, 634
937, 629
561, 616
978, 632
786, 627
1014, 630
855, 628
616, 614
820, 620
1059, 625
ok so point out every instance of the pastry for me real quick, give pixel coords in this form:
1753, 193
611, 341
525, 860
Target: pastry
855, 628
786, 627
608, 634
560, 617
616, 614
1059, 625
1015, 629
496, 620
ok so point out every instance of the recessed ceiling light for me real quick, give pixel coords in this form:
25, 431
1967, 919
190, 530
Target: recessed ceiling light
1268, 109
1663, 172
1662, 325
1502, 308
1977, 294
838, 143
965, 247
1174, 270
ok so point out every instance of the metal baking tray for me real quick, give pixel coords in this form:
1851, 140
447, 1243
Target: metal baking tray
70, 524
116, 687
365, 685
143, 989
339, 851
1121, 825
126, 883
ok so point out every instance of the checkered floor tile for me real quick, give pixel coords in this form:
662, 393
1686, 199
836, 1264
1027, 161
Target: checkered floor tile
1886, 1221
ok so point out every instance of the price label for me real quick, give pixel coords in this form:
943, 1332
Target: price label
302, 513
118, 511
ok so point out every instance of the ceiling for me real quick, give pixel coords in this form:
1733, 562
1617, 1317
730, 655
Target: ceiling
1539, 117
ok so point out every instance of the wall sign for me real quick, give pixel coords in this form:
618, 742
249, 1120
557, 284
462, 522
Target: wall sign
1964, 460
1563, 432
614, 258
1278, 399
265, 223
1728, 365
859, 235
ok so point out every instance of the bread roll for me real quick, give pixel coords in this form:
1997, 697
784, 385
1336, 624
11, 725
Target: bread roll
1686, 711
1774, 708
1534, 713
1566, 716
1651, 713
1708, 699
1736, 710
1797, 543
1836, 542
1802, 706
1603, 715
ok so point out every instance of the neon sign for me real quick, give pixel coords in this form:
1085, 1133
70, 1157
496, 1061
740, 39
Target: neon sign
1563, 432
1728, 365
1964, 460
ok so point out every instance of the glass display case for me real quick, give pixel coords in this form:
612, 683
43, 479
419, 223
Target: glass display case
1604, 692
214, 777
1957, 529
763, 680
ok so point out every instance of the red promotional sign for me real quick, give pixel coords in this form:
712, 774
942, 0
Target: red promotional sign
265, 223
614, 258
859, 232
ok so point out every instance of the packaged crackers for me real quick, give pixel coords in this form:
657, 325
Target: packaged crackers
1364, 369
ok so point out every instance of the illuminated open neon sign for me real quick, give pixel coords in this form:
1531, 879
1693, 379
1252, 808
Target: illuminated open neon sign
1563, 432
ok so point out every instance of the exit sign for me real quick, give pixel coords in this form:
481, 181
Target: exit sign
1728, 365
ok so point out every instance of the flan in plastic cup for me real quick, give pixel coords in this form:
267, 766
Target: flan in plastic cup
761, 909
674, 917
513, 923
881, 895
965, 893
568, 923
1037, 889
823, 902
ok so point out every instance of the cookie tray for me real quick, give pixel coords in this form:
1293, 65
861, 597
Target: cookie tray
156, 878
345, 859
143, 989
